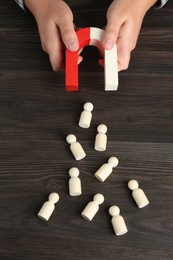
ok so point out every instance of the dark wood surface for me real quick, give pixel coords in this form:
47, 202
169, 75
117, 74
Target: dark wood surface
36, 114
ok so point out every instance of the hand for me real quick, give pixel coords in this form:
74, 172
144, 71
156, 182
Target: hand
55, 24
124, 20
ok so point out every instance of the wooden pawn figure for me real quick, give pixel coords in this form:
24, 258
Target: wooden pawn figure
86, 115
92, 207
74, 182
75, 147
106, 169
118, 222
48, 207
138, 194
101, 138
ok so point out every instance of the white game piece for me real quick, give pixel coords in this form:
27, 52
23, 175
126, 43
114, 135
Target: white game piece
86, 115
75, 147
48, 207
74, 182
118, 223
138, 194
106, 169
92, 207
101, 138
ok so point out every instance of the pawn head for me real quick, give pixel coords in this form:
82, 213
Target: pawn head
74, 172
113, 161
102, 129
71, 138
99, 198
88, 106
54, 197
114, 211
133, 185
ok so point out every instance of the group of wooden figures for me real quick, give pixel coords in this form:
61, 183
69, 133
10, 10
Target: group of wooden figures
101, 174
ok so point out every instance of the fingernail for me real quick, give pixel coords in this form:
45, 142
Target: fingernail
108, 44
72, 45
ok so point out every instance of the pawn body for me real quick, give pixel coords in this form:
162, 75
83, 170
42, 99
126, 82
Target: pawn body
48, 207
86, 115
138, 194
106, 169
140, 198
118, 222
74, 182
101, 138
75, 147
92, 207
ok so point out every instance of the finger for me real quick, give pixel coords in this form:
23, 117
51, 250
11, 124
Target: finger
53, 45
123, 54
80, 59
123, 59
79, 52
101, 62
110, 36
123, 65
126, 42
57, 59
114, 23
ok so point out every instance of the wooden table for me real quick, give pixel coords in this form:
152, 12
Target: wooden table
36, 115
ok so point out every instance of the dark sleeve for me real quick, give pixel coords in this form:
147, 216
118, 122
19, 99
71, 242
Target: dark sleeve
20, 3
161, 3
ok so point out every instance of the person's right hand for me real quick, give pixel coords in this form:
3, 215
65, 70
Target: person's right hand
55, 24
124, 20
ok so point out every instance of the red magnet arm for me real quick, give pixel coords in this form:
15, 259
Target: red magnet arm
72, 59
